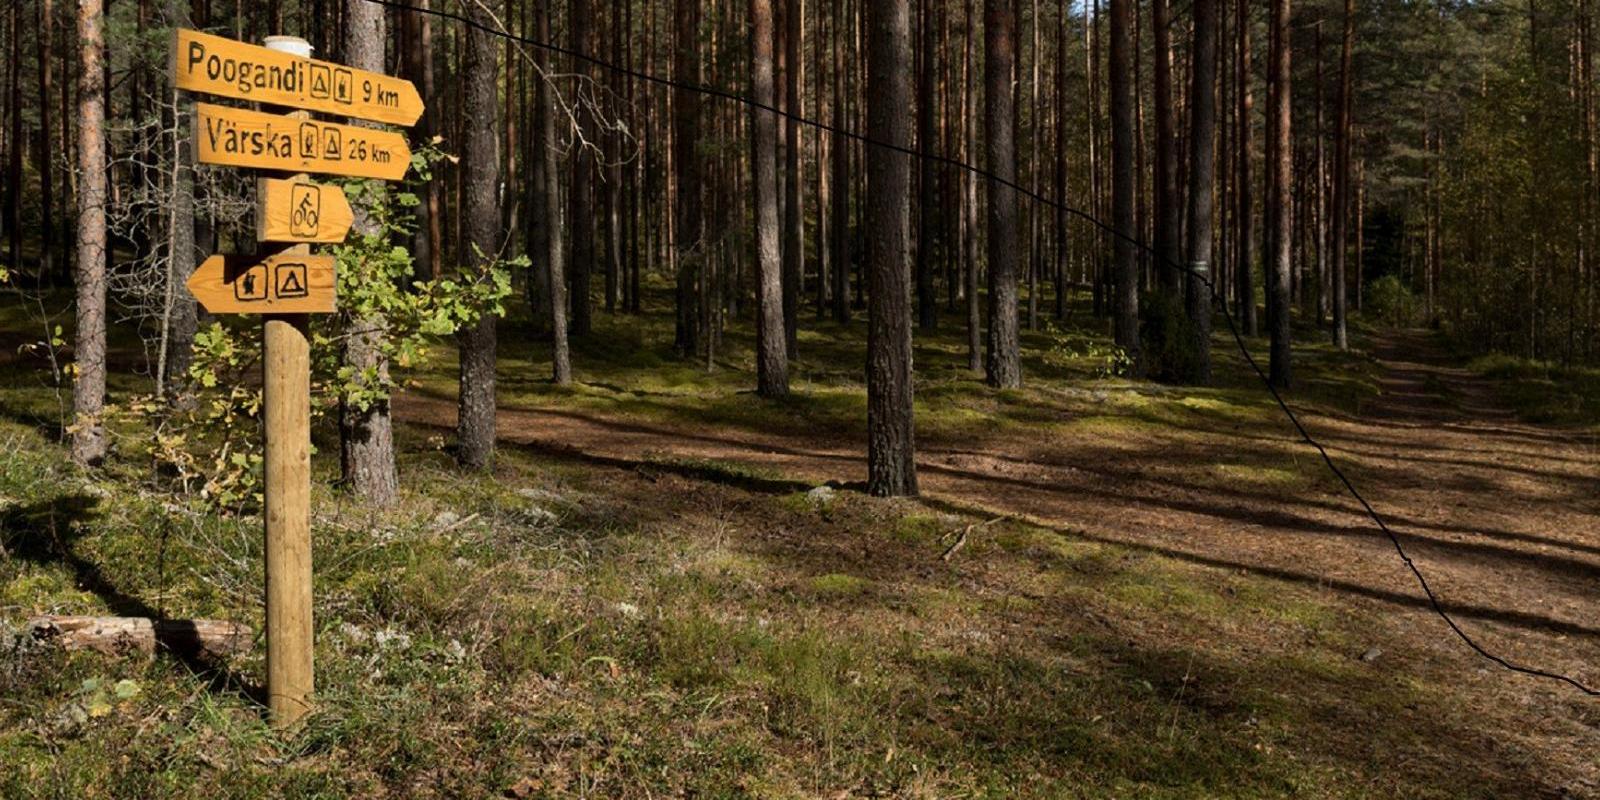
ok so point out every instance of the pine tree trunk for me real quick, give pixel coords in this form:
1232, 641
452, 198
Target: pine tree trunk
794, 253
580, 189
891, 442
1341, 185
1126, 278
366, 435
480, 212
969, 194
1202, 180
772, 363
1168, 218
1004, 363
927, 197
47, 228
689, 219
1245, 253
840, 227
89, 367
418, 58
547, 208
1063, 240
1280, 196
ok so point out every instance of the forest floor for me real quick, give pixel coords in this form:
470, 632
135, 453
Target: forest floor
1108, 588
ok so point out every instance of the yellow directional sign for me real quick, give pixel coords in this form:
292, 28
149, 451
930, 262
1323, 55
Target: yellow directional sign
233, 137
300, 211
281, 284
214, 65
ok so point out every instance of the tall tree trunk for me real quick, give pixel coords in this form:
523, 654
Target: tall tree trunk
547, 207
689, 222
927, 197
47, 227
1126, 279
1341, 185
794, 253
840, 227
1004, 367
772, 362
613, 174
1245, 253
366, 435
1202, 180
419, 69
1168, 218
891, 438
1063, 253
1035, 162
1280, 194
89, 367
581, 189
13, 207
480, 211
969, 194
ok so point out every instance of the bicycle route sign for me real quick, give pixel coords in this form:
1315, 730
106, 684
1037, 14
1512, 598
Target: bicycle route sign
301, 212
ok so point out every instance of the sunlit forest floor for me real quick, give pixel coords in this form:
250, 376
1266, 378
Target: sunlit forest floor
1109, 588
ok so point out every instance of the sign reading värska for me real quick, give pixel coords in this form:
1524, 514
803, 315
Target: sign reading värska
214, 65
234, 137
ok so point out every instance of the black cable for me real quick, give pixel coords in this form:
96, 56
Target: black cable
1203, 278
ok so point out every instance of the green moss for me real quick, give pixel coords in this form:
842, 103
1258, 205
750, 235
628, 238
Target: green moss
839, 585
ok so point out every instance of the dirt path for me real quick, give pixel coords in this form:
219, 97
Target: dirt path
1504, 518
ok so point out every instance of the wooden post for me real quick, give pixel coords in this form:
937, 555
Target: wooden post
286, 396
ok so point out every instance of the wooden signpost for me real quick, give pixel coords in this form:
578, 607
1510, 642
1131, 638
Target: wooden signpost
301, 212
234, 137
287, 284
226, 68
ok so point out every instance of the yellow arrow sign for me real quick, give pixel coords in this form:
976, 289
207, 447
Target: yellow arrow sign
297, 211
233, 137
214, 65
281, 284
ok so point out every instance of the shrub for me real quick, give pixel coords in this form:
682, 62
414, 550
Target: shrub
1391, 301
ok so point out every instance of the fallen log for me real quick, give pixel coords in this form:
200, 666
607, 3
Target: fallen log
208, 639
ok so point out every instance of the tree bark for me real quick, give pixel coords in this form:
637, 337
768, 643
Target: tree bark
969, 194
47, 229
1168, 222
689, 221
927, 197
772, 358
1004, 364
794, 253
840, 227
480, 210
89, 368
1125, 286
891, 439
418, 58
208, 639
366, 435
1202, 180
1280, 195
1341, 185
547, 208
1245, 253
580, 189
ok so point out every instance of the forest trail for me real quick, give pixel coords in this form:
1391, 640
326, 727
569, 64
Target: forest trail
1502, 517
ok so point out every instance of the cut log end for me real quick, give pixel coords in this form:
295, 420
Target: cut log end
208, 639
